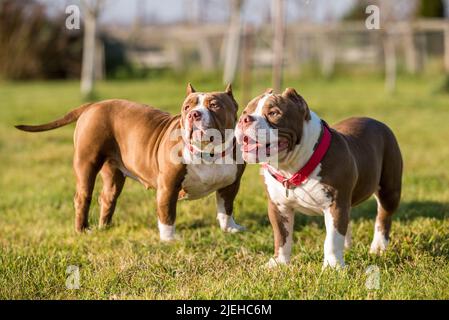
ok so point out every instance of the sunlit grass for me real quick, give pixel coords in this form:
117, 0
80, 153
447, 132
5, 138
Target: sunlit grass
37, 241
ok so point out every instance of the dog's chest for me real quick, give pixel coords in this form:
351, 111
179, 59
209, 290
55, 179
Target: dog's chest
203, 179
310, 198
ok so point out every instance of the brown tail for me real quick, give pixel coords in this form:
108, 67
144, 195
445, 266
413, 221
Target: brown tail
70, 117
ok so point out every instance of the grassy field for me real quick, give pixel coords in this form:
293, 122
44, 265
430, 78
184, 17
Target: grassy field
38, 243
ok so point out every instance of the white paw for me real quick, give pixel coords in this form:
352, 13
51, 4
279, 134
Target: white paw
379, 244
333, 262
274, 263
168, 239
227, 224
377, 248
166, 232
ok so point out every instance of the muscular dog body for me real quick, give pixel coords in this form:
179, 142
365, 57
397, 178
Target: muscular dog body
363, 159
120, 138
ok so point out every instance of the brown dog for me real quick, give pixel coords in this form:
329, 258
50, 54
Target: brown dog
119, 138
321, 170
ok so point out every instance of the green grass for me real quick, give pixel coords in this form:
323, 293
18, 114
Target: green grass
38, 243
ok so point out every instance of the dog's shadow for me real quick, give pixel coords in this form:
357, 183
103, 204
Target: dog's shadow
408, 211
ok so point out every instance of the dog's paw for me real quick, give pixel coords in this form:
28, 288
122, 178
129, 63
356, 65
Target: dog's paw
379, 244
333, 262
227, 224
171, 239
234, 228
274, 263
166, 232
377, 249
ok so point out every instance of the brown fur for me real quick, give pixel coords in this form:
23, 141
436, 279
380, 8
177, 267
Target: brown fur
116, 135
363, 159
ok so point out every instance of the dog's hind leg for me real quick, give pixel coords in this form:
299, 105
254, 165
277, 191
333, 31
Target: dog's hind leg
388, 198
113, 181
85, 172
386, 206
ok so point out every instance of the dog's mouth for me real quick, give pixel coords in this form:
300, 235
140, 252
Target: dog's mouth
250, 145
200, 140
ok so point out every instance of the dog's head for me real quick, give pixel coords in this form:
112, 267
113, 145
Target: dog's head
204, 115
272, 123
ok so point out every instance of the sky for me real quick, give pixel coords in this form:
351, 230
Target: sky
168, 11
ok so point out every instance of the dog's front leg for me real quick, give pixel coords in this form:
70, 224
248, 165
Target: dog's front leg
282, 221
167, 197
225, 207
336, 219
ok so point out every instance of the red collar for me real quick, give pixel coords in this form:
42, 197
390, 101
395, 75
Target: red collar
299, 177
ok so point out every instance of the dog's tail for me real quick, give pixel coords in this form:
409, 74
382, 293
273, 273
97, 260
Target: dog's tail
70, 117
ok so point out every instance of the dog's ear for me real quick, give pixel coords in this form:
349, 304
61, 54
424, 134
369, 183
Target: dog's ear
190, 89
269, 90
228, 90
290, 93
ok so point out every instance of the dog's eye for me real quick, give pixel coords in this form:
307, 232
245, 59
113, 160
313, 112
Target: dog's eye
213, 105
273, 113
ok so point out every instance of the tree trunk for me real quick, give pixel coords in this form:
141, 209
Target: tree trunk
233, 42
88, 68
246, 70
446, 48
411, 57
278, 43
390, 62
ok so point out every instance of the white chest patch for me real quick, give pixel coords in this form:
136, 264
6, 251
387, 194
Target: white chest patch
203, 179
310, 198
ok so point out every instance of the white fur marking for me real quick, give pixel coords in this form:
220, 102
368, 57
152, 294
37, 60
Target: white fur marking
380, 243
311, 197
166, 232
284, 251
260, 104
203, 179
227, 223
333, 245
206, 118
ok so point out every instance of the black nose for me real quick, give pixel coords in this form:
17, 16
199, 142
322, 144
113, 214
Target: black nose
247, 119
194, 115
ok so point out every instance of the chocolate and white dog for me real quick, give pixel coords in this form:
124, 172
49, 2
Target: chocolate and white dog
321, 170
120, 138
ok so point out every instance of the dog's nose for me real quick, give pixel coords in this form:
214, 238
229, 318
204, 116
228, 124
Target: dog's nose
194, 115
247, 119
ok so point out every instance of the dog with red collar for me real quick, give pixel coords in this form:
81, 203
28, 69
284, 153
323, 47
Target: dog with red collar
320, 170
120, 138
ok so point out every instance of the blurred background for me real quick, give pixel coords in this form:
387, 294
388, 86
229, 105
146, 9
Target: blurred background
330, 51
234, 40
